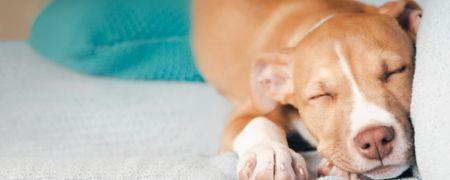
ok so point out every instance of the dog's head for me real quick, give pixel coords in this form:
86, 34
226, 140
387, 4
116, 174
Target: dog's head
351, 80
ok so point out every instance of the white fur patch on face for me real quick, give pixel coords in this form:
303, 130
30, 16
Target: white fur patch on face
299, 35
389, 173
365, 114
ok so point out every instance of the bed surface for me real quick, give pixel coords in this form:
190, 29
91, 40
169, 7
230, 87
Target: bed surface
58, 123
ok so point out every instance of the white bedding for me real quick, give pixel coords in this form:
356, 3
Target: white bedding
57, 123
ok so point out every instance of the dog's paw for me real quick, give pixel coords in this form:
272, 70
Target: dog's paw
327, 168
271, 161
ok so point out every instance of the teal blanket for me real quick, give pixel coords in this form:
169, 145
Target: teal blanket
132, 39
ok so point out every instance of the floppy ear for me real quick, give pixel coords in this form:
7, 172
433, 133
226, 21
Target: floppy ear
271, 81
407, 12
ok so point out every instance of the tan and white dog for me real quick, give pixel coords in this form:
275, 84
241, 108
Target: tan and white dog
337, 71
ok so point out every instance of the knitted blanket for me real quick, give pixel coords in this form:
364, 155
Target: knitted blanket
132, 39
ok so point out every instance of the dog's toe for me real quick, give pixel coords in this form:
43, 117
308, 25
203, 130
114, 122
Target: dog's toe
283, 161
299, 166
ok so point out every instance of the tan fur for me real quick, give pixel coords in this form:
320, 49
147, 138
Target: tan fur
229, 35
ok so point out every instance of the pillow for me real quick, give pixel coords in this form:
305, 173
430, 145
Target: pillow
132, 39
431, 101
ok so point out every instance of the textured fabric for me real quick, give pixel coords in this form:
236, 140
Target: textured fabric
431, 100
133, 39
56, 124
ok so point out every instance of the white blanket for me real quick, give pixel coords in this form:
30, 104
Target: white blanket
57, 124
431, 99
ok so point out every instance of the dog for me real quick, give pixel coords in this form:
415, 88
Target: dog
339, 72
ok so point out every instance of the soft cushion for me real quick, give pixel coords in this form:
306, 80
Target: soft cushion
134, 39
431, 100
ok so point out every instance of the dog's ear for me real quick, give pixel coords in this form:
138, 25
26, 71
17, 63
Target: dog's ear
407, 12
271, 81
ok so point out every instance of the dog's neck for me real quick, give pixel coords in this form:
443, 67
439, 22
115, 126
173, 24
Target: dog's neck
299, 34
285, 39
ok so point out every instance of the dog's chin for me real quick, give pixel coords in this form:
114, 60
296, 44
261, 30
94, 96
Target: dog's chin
386, 172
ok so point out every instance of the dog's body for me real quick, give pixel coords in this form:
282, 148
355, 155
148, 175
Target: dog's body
266, 55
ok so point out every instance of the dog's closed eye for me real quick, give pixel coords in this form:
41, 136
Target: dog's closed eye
388, 74
321, 95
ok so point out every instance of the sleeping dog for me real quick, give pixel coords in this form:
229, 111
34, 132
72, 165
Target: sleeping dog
337, 71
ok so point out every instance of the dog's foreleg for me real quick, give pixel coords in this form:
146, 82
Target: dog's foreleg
263, 150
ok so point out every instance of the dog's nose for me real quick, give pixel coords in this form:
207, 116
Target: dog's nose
375, 143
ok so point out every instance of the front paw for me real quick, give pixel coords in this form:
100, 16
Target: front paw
271, 161
327, 168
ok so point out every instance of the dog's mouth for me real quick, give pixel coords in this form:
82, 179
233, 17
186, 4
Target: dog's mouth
386, 172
